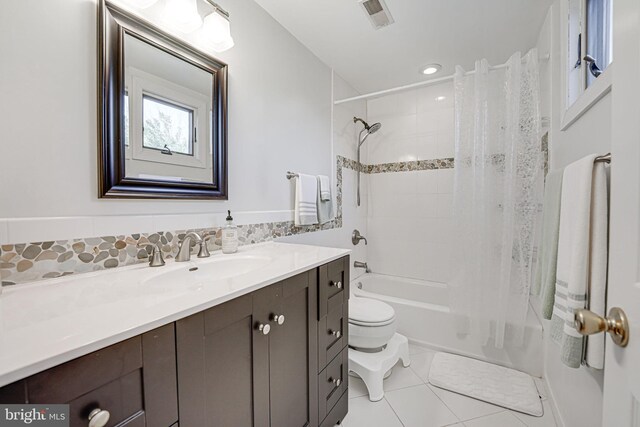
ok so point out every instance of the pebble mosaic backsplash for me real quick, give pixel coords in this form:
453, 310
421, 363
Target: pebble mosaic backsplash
29, 262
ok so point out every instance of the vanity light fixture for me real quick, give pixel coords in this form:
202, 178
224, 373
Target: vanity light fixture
216, 30
430, 69
142, 4
182, 15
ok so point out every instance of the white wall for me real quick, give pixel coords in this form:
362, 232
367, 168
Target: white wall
345, 134
409, 216
577, 392
279, 120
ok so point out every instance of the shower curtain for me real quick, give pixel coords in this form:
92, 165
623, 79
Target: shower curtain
497, 197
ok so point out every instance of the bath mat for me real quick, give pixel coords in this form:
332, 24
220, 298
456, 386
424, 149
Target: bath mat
491, 383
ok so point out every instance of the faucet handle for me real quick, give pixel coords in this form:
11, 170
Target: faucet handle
155, 259
204, 249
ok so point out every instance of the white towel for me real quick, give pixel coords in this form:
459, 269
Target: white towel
325, 188
306, 212
325, 207
582, 260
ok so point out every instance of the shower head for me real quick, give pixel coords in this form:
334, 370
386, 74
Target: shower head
370, 129
374, 128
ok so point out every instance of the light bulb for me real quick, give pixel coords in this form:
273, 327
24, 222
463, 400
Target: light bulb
182, 15
431, 69
216, 32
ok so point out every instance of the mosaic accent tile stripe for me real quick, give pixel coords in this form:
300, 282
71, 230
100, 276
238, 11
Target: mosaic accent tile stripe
416, 165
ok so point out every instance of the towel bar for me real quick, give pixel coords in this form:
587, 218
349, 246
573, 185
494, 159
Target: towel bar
291, 175
605, 158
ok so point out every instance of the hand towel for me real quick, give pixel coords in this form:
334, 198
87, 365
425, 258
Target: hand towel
582, 260
325, 207
545, 280
325, 187
306, 211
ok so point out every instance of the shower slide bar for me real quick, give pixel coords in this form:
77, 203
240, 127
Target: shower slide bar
420, 84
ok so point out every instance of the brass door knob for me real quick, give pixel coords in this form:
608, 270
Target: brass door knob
587, 323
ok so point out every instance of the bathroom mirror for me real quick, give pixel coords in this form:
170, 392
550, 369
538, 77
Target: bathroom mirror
162, 113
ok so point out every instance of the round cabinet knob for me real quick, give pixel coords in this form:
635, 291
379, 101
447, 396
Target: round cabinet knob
98, 418
337, 334
278, 318
265, 329
337, 284
337, 381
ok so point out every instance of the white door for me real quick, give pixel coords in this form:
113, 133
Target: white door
622, 366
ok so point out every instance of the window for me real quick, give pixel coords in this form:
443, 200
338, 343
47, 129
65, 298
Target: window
164, 123
599, 37
167, 127
589, 47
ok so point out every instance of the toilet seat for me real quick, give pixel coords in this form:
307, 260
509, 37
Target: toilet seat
370, 313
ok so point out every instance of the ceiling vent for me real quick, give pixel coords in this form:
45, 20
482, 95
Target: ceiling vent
378, 13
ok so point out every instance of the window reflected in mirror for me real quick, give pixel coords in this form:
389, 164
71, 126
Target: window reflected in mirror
168, 105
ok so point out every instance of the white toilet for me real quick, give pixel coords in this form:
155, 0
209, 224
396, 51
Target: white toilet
375, 347
372, 323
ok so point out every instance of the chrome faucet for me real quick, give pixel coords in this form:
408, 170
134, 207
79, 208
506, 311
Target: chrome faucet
356, 237
184, 253
358, 264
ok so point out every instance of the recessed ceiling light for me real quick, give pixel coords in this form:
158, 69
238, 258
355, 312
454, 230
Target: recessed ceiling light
441, 98
430, 69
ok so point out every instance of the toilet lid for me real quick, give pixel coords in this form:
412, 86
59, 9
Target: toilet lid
370, 311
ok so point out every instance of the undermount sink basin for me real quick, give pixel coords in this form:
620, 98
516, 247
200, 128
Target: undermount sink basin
207, 270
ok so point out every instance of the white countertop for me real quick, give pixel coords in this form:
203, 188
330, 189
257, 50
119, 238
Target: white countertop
53, 321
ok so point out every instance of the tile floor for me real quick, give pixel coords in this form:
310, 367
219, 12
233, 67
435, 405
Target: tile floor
411, 402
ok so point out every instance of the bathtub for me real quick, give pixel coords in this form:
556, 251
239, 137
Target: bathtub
423, 315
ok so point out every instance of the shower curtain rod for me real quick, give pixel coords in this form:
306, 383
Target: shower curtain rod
420, 84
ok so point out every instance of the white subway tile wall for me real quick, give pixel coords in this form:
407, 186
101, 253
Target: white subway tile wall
410, 213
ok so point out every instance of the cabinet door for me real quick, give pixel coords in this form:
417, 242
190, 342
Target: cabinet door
292, 349
215, 366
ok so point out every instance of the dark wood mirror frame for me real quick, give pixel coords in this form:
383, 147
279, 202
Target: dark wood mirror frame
113, 24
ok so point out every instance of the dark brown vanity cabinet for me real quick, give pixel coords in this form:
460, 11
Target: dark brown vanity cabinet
252, 361
277, 357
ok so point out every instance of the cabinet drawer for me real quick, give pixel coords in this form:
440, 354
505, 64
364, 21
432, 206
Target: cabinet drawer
332, 330
123, 399
333, 280
332, 383
338, 412
73, 379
